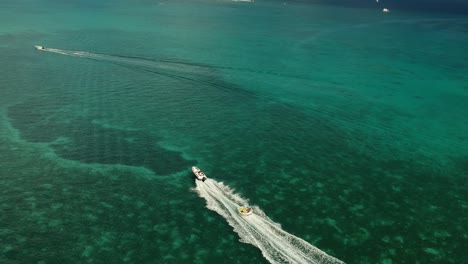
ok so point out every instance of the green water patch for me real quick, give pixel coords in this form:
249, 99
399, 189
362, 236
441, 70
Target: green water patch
326, 180
79, 138
92, 215
316, 181
57, 214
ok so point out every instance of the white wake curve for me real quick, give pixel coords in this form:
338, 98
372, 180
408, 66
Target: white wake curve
276, 245
138, 62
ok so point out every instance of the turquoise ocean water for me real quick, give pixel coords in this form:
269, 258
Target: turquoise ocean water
346, 125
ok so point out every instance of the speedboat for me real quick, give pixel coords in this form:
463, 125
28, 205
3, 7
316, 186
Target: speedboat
385, 10
199, 174
40, 47
245, 210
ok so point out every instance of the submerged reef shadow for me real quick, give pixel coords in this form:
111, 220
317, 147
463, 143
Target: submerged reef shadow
81, 139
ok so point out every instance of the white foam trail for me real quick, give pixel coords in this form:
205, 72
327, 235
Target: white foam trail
276, 245
139, 62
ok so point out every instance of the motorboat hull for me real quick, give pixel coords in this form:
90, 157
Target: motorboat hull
199, 174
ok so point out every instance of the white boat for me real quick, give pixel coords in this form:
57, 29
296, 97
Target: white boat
199, 174
385, 10
245, 210
39, 47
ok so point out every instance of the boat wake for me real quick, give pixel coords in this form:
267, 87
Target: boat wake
276, 245
140, 62
155, 65
198, 73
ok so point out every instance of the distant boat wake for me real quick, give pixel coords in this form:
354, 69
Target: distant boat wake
141, 63
199, 73
154, 65
276, 245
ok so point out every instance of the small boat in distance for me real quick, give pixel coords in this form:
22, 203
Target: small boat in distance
39, 47
385, 10
245, 210
199, 174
